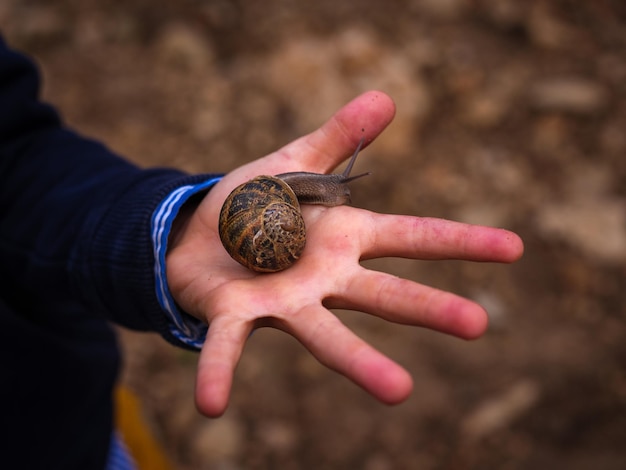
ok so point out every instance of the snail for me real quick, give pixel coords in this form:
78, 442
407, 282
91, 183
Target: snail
260, 223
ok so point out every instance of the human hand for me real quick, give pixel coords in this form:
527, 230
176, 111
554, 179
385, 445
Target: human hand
209, 285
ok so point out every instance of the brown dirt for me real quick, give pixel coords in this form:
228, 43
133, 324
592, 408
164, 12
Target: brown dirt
510, 113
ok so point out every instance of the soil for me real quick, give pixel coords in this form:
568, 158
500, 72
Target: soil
510, 113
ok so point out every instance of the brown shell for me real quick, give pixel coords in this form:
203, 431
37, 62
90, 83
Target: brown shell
261, 226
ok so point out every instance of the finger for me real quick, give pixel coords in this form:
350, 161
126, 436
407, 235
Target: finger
407, 302
364, 117
218, 359
431, 238
338, 348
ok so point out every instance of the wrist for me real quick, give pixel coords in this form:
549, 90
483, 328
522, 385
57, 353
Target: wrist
169, 221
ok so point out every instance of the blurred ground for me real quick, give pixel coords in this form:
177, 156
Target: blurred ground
510, 113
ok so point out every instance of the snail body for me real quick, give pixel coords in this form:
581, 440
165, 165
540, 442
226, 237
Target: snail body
260, 223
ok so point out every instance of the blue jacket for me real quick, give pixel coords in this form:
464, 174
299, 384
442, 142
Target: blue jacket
82, 243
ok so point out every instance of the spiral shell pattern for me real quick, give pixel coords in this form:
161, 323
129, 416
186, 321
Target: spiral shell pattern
261, 226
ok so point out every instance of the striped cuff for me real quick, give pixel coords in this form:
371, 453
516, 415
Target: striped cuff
119, 457
184, 327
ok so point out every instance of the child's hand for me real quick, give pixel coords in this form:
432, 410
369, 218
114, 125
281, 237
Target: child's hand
208, 284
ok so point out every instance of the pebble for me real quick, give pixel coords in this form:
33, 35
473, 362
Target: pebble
569, 95
218, 440
37, 25
182, 46
596, 227
497, 412
279, 436
548, 30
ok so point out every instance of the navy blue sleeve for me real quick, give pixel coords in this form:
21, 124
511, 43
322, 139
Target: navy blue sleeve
75, 219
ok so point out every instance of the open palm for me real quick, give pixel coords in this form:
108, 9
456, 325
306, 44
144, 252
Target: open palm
208, 284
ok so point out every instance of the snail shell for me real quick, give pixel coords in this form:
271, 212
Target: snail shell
260, 223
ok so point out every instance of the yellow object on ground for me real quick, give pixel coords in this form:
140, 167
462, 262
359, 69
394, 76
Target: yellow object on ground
133, 428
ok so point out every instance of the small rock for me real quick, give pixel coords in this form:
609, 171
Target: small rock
218, 440
484, 110
182, 46
507, 14
499, 411
546, 29
279, 436
39, 26
569, 95
597, 227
